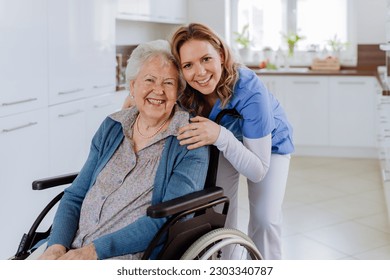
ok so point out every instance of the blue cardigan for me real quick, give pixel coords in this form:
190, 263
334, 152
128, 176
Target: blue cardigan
181, 171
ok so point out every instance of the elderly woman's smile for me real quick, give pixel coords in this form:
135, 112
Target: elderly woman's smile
155, 101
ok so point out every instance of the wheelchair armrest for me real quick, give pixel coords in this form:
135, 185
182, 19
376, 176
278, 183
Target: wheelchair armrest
50, 182
189, 201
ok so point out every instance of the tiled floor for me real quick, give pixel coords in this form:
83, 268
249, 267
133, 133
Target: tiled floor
334, 209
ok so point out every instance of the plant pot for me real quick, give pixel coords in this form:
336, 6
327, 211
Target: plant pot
245, 55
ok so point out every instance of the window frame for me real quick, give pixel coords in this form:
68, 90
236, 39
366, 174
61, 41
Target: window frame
289, 25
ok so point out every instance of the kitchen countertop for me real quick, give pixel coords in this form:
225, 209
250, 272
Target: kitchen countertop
292, 71
306, 71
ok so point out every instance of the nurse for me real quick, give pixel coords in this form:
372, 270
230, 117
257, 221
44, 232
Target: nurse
258, 145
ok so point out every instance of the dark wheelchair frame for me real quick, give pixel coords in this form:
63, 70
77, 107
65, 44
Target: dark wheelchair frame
193, 227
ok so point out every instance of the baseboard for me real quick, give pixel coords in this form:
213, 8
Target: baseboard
344, 152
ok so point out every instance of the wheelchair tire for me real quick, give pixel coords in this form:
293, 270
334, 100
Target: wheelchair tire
211, 245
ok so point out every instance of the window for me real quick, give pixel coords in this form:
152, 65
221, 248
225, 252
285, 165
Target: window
317, 20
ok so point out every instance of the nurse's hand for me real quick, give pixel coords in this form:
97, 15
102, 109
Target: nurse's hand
200, 132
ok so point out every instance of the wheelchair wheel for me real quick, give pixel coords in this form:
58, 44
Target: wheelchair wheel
222, 243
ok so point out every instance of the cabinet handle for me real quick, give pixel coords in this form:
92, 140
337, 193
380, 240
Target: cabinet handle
19, 127
103, 86
351, 83
102, 105
306, 82
70, 114
18, 102
70, 91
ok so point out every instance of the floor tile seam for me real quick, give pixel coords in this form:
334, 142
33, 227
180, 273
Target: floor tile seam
372, 227
330, 246
326, 245
331, 224
370, 250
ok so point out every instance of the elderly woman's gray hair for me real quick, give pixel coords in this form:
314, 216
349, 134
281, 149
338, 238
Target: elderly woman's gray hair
148, 50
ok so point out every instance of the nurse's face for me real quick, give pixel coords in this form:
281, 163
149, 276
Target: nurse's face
201, 64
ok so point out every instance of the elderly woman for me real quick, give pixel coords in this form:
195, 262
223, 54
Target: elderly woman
135, 161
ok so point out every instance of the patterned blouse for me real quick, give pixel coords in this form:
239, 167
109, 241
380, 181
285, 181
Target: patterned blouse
123, 189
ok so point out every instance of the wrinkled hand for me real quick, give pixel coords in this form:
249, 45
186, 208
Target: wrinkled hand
84, 253
53, 252
200, 132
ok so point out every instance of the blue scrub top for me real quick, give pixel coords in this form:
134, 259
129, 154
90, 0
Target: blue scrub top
261, 113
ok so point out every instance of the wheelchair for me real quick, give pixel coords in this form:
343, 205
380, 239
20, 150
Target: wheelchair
194, 229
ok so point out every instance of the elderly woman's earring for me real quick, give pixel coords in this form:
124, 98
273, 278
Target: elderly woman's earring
131, 96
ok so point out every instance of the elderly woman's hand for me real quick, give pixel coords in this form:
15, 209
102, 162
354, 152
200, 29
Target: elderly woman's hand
53, 252
200, 132
87, 252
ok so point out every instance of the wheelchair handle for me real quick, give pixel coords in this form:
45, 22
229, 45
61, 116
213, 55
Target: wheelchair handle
211, 178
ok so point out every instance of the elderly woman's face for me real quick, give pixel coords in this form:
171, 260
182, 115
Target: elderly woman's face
155, 88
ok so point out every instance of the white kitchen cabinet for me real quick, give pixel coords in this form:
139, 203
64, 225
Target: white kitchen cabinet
67, 51
134, 10
23, 158
352, 112
168, 11
81, 49
99, 34
383, 141
72, 126
383, 135
330, 115
23, 56
98, 108
275, 85
67, 133
306, 105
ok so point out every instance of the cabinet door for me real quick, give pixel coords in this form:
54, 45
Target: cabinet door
23, 56
98, 108
23, 158
99, 35
169, 11
383, 134
352, 111
81, 49
275, 84
67, 137
67, 50
134, 10
306, 105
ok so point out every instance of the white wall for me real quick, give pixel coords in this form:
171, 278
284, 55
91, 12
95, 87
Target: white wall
370, 23
213, 13
135, 32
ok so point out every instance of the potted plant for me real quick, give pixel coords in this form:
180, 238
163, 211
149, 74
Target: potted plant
336, 45
243, 41
292, 39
